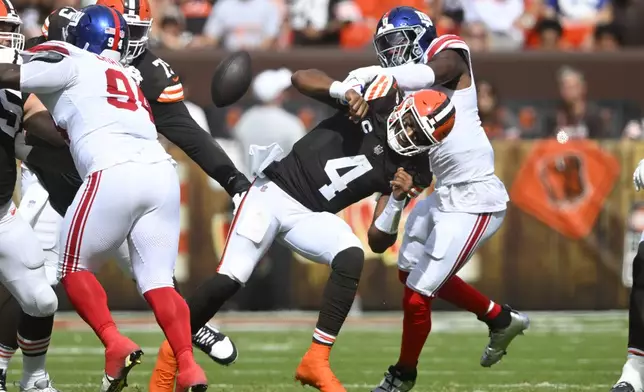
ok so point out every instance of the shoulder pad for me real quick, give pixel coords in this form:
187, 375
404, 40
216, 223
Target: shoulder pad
54, 47
379, 87
447, 41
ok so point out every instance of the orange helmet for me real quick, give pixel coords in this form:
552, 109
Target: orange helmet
420, 121
10, 22
138, 16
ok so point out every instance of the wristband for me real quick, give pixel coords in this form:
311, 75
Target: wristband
388, 220
338, 90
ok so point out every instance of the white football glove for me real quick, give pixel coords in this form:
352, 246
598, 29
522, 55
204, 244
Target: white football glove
366, 74
237, 199
134, 74
10, 56
638, 176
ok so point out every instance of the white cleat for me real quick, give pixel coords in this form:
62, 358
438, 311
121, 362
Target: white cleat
500, 339
42, 385
632, 378
216, 345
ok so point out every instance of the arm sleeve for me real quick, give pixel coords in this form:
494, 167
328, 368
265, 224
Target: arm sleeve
175, 123
46, 73
412, 77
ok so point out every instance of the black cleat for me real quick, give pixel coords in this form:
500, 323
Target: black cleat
3, 381
117, 384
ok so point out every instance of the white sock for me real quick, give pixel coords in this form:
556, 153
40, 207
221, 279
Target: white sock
34, 353
6, 353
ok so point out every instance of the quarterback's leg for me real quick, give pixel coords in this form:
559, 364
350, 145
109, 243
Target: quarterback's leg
96, 223
632, 378
327, 239
252, 232
22, 273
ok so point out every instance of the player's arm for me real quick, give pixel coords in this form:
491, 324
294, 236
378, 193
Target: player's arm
444, 67
175, 123
44, 147
48, 69
384, 228
321, 87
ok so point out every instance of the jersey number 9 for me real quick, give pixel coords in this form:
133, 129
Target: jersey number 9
122, 95
110, 43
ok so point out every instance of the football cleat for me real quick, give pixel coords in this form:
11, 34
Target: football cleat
501, 338
632, 378
42, 385
622, 387
397, 380
3, 380
216, 345
111, 384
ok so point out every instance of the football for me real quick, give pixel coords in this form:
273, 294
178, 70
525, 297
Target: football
231, 79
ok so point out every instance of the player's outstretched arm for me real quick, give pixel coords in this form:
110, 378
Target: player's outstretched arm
320, 86
175, 123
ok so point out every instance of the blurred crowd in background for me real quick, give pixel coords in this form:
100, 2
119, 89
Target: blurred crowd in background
486, 25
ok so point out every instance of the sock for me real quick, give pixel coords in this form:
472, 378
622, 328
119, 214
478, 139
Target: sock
90, 301
6, 353
338, 296
10, 315
34, 334
417, 323
636, 306
173, 316
206, 301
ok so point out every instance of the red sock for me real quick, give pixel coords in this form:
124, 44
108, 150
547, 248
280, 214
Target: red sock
173, 316
90, 301
416, 326
465, 296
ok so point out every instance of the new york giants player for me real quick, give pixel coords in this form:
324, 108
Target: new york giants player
467, 206
113, 141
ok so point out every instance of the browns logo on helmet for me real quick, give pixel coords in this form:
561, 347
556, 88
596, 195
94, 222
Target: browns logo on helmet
138, 16
10, 36
420, 121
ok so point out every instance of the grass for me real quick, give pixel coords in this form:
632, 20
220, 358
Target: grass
561, 352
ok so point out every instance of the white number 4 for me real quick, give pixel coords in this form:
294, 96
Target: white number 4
360, 165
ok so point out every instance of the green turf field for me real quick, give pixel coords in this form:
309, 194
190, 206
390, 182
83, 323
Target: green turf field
560, 353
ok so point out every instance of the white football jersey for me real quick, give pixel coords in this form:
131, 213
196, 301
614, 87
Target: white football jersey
97, 106
464, 162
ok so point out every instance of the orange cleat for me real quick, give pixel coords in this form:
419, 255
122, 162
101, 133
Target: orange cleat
165, 369
314, 370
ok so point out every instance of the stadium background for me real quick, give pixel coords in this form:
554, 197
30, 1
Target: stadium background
569, 225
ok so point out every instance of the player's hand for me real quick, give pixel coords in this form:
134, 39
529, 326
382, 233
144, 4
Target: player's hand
357, 105
134, 74
401, 184
638, 176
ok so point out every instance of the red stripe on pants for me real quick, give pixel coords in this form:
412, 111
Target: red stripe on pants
77, 227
